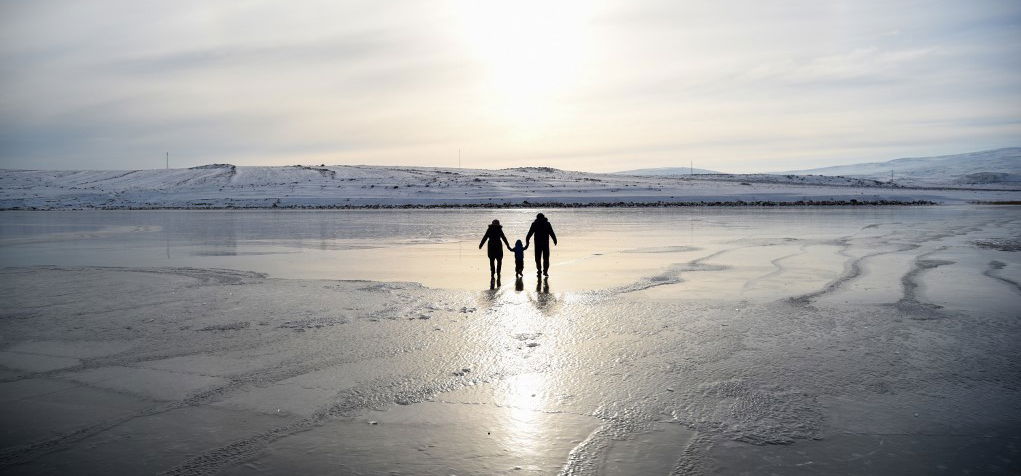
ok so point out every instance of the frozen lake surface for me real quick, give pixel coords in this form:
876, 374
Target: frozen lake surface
601, 248
692, 341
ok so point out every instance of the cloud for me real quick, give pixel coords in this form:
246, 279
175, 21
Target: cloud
110, 83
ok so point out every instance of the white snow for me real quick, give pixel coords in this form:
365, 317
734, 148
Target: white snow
1000, 167
669, 171
224, 185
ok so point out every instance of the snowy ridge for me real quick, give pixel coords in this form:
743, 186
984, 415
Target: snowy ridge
224, 185
669, 171
1000, 167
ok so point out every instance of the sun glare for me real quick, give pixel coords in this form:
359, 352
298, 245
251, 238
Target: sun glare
531, 50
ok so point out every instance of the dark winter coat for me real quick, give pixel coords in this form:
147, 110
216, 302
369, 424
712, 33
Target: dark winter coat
543, 231
519, 253
495, 234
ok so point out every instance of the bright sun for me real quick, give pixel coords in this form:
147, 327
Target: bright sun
532, 51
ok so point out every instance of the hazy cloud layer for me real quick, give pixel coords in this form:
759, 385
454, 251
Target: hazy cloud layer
602, 86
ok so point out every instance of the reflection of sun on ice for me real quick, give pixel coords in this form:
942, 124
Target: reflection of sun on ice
520, 333
531, 51
523, 427
524, 400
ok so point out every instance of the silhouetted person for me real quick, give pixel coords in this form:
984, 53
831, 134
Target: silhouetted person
543, 231
494, 234
519, 258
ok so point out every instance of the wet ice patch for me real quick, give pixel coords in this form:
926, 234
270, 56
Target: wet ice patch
430, 438
911, 303
757, 242
372, 286
655, 451
205, 364
21, 389
52, 410
155, 384
312, 323
165, 439
306, 393
757, 414
238, 253
230, 326
35, 362
995, 271
663, 249
1003, 244
672, 275
82, 349
850, 453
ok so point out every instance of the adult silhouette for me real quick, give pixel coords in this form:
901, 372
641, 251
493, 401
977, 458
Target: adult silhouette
543, 231
494, 234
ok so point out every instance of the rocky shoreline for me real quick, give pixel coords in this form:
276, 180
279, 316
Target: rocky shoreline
522, 204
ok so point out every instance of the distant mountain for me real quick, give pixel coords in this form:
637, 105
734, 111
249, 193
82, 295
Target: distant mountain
1000, 166
667, 171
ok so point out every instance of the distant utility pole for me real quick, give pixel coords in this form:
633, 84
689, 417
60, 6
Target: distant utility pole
691, 169
458, 157
168, 160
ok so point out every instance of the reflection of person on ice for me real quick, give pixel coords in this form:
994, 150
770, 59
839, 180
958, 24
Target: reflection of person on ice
543, 231
494, 234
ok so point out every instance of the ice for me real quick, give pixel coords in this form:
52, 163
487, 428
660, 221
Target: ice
631, 455
850, 341
149, 383
430, 438
317, 389
26, 388
603, 249
206, 364
154, 443
35, 362
79, 349
44, 410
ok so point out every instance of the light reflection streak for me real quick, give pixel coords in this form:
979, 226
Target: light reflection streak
520, 318
525, 424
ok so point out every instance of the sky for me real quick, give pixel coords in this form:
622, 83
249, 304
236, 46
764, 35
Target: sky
735, 86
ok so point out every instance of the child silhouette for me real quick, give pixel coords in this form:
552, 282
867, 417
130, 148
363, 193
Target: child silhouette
519, 258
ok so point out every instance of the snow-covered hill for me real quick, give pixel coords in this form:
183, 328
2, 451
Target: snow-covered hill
668, 171
224, 185
990, 167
